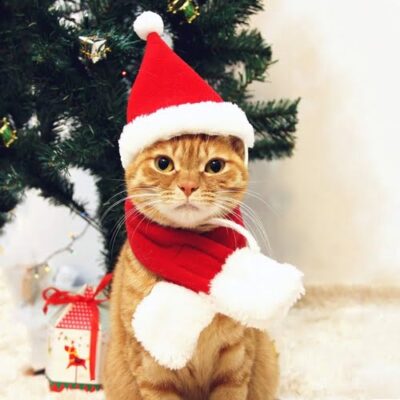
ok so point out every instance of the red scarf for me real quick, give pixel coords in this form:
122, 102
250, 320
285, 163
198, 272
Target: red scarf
181, 256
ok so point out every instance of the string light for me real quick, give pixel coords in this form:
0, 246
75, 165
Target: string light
44, 265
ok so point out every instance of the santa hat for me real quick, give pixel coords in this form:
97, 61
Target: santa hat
168, 99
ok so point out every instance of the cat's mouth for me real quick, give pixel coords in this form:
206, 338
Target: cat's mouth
187, 207
186, 214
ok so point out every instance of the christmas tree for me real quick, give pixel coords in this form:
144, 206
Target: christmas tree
65, 72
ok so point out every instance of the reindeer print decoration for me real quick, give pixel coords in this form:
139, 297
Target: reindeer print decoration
74, 359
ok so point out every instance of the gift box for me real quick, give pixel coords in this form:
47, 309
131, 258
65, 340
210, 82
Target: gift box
77, 337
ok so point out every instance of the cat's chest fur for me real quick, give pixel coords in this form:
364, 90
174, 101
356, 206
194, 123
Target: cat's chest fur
223, 341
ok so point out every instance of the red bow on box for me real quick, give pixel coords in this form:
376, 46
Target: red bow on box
59, 297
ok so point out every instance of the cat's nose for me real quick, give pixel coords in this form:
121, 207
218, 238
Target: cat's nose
188, 188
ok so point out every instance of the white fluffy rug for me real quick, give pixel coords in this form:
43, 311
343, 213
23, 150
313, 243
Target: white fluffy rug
339, 343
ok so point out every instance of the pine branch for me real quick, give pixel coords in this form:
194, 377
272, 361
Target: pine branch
4, 219
10, 196
220, 16
273, 118
274, 122
269, 149
31, 169
70, 113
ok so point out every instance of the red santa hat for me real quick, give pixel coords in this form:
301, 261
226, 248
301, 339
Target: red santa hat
168, 99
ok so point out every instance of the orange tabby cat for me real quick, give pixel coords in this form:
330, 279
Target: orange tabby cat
231, 362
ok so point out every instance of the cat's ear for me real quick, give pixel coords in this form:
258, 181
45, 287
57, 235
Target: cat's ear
238, 146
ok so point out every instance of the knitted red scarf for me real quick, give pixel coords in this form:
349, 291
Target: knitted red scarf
181, 256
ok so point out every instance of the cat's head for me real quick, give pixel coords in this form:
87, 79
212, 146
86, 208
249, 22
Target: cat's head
184, 181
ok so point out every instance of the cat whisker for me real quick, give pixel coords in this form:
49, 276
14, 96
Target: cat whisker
257, 196
113, 205
117, 228
124, 191
252, 218
115, 195
253, 194
131, 197
121, 222
150, 214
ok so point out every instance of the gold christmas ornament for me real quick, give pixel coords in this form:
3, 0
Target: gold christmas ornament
93, 48
8, 132
189, 8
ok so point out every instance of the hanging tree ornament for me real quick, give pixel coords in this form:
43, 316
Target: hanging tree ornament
8, 132
189, 8
93, 48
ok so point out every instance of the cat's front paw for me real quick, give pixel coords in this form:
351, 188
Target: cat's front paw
168, 323
255, 289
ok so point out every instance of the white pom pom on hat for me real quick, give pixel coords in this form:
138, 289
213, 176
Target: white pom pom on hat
146, 23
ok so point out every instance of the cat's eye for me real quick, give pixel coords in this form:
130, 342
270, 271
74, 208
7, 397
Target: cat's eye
215, 165
164, 164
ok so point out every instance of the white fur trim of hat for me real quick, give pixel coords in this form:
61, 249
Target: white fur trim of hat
206, 117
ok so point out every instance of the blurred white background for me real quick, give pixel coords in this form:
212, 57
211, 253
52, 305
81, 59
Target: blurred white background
336, 202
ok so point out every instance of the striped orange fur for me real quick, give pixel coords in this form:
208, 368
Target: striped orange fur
231, 362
